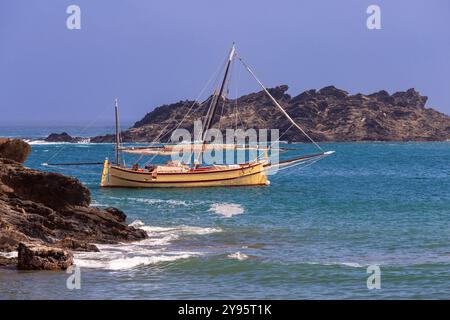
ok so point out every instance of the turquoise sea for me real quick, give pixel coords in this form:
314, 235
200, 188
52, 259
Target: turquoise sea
310, 235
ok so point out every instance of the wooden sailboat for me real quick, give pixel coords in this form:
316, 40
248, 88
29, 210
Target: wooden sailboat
177, 174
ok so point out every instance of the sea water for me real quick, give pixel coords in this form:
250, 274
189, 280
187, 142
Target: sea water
311, 234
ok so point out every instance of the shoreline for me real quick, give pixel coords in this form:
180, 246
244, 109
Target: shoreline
46, 224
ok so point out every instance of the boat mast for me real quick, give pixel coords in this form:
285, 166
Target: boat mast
213, 108
215, 102
116, 111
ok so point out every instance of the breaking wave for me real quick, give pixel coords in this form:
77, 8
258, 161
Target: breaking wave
95, 203
12, 254
238, 256
83, 142
116, 259
157, 248
345, 264
159, 202
226, 209
43, 142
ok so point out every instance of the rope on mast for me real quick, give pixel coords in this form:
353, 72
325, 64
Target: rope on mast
80, 132
116, 112
213, 107
196, 102
278, 105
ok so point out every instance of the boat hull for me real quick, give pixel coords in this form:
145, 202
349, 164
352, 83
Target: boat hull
247, 175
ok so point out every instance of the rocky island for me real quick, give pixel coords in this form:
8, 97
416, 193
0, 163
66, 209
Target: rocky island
45, 216
62, 137
328, 114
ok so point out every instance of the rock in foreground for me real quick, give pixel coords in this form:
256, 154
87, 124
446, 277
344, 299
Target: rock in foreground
43, 208
4, 261
14, 149
39, 257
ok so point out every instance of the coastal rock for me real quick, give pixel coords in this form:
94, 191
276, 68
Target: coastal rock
410, 98
280, 92
328, 114
14, 149
383, 96
4, 261
52, 189
117, 214
76, 245
108, 138
39, 257
50, 209
62, 137
332, 91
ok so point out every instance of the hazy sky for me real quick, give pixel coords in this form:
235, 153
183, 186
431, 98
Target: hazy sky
149, 53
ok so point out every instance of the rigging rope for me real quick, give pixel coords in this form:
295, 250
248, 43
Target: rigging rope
269, 148
238, 77
277, 104
307, 163
196, 101
227, 91
82, 131
214, 75
236, 108
78, 171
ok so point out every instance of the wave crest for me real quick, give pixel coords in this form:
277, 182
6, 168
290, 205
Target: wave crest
157, 248
226, 209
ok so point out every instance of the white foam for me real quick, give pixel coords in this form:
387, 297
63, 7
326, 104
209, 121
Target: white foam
12, 254
175, 230
238, 256
351, 264
84, 141
43, 142
95, 203
157, 248
128, 262
159, 202
226, 209
179, 230
137, 223
347, 264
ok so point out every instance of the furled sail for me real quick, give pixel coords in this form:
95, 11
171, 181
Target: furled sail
277, 104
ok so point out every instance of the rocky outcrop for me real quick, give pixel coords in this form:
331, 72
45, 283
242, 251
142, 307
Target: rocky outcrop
328, 114
76, 245
5, 261
14, 149
62, 137
39, 257
43, 208
52, 189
